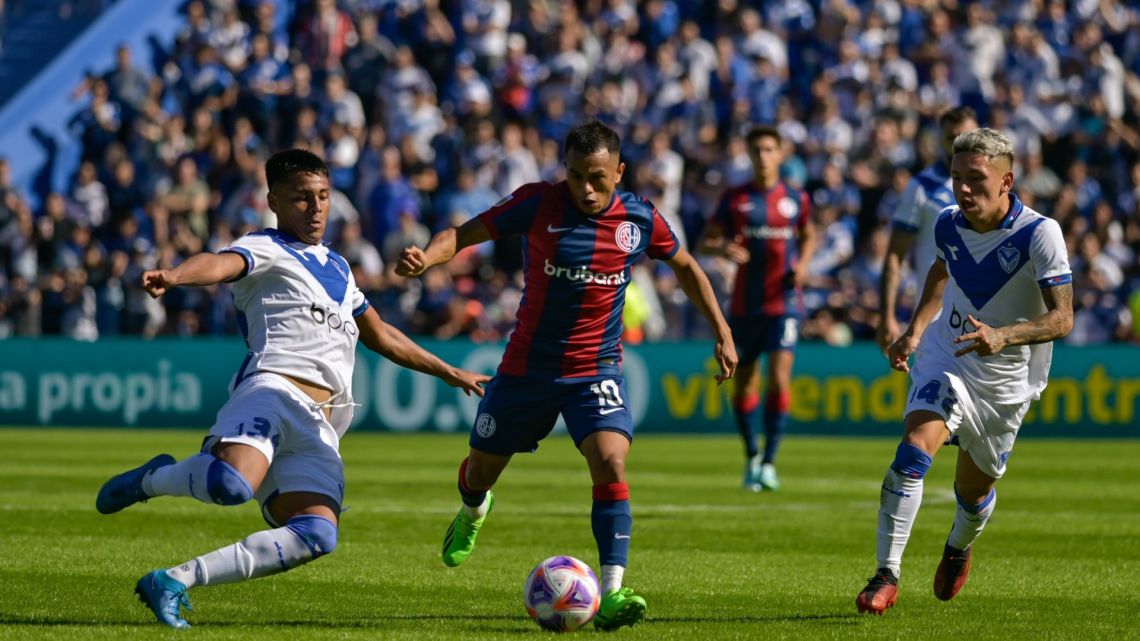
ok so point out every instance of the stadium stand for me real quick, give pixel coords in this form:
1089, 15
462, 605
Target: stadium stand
428, 111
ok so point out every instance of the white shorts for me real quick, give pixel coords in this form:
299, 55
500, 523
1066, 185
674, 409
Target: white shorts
985, 430
269, 413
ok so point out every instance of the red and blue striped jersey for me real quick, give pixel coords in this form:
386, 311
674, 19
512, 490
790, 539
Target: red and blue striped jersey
769, 223
576, 268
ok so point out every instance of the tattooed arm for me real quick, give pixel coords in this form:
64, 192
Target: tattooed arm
1053, 324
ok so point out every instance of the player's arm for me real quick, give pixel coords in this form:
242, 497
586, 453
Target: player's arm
1055, 323
442, 247
807, 243
928, 305
697, 287
900, 244
395, 346
197, 271
714, 242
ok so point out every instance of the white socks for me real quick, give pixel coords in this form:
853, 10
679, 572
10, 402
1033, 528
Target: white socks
970, 520
611, 578
898, 504
477, 512
185, 478
259, 554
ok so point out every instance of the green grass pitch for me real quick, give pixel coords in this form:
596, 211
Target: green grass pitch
1059, 560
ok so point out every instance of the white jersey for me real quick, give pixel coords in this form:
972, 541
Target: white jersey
997, 277
296, 308
926, 195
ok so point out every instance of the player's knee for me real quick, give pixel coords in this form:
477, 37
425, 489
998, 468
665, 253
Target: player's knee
318, 533
225, 485
911, 461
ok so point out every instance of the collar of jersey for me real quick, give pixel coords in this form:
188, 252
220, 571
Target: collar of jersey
287, 237
1015, 209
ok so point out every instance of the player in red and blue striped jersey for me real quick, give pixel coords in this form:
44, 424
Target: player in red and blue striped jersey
763, 226
581, 240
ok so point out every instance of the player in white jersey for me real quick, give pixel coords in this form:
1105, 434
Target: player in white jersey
912, 224
277, 437
1003, 284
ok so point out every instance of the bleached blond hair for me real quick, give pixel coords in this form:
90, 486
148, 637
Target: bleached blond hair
988, 142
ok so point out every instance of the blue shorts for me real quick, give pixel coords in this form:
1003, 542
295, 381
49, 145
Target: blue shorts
517, 412
756, 335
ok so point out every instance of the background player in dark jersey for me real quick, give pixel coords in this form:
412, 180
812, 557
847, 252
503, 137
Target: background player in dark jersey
763, 227
581, 239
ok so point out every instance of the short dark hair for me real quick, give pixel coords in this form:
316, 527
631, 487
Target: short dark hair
957, 116
285, 163
591, 137
764, 131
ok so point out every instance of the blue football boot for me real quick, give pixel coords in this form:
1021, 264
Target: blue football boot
125, 489
165, 597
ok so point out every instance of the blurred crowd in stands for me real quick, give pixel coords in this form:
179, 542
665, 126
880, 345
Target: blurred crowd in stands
430, 111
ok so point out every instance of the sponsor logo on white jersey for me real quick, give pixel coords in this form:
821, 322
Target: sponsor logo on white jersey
583, 274
322, 315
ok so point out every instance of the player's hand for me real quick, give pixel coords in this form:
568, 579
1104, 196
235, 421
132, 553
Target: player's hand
737, 252
157, 281
901, 350
887, 334
413, 262
800, 274
469, 382
725, 354
985, 340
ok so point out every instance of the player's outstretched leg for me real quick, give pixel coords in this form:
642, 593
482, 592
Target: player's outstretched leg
619, 608
202, 476
165, 596
459, 541
953, 572
880, 594
304, 537
126, 489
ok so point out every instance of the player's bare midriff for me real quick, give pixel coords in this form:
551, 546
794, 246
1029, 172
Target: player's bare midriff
317, 393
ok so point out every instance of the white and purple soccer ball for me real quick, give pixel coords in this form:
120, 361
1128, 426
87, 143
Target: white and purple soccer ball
561, 594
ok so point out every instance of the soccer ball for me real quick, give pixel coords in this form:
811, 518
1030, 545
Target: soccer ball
561, 594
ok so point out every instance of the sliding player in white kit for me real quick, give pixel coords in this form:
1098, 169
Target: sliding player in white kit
1003, 284
277, 437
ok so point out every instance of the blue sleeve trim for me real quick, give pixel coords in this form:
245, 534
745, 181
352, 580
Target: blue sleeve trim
901, 226
1062, 279
246, 256
676, 248
363, 307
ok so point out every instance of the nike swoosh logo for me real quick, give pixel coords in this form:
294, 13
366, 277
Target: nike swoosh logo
621, 536
611, 410
555, 230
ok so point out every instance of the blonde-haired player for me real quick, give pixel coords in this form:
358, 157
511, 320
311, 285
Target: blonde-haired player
1004, 287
